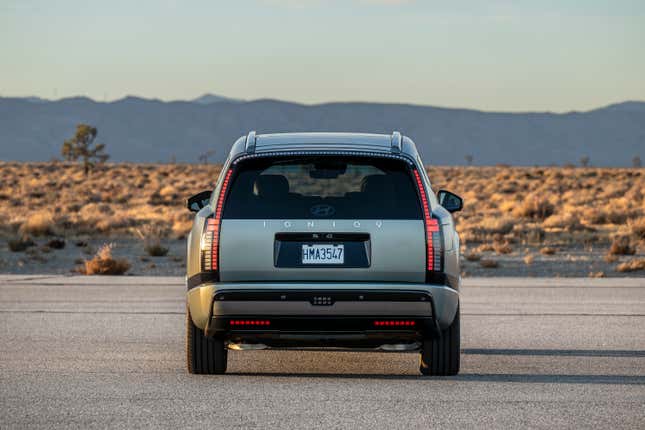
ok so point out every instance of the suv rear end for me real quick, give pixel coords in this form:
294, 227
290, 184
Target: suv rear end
323, 240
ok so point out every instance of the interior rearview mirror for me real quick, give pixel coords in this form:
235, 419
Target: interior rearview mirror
450, 201
198, 201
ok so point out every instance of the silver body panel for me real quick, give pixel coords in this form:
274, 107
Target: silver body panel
397, 250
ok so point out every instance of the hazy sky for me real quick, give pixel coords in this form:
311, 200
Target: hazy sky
495, 55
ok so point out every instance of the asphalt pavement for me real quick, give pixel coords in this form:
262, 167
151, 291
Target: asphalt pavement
87, 352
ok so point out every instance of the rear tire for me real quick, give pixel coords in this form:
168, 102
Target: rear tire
440, 355
204, 355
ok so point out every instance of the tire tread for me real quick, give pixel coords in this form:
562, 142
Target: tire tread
204, 355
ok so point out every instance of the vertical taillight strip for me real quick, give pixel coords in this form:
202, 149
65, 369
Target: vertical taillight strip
433, 231
210, 242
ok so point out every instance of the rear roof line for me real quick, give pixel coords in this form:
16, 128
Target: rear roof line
362, 153
394, 143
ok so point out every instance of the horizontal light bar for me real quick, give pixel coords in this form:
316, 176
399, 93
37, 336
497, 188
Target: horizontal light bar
395, 323
249, 323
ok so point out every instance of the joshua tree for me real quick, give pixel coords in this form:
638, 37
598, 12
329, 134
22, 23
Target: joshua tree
636, 161
584, 161
83, 147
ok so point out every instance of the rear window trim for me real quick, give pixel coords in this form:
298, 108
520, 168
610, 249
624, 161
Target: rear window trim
234, 165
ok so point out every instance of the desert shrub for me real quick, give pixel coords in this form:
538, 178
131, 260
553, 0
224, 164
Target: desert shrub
547, 250
566, 221
534, 207
472, 256
621, 245
485, 247
528, 259
502, 248
632, 265
20, 244
56, 243
610, 258
607, 216
104, 264
151, 236
493, 225
155, 249
637, 228
487, 263
38, 224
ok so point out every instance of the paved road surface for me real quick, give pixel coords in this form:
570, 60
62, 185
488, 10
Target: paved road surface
109, 352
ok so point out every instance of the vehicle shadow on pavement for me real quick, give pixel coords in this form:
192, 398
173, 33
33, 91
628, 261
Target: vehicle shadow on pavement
556, 352
472, 377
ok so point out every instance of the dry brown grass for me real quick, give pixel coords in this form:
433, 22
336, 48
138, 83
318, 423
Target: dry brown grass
502, 247
151, 236
487, 263
38, 224
610, 258
103, 263
20, 244
529, 259
537, 206
547, 250
637, 228
632, 265
472, 256
621, 246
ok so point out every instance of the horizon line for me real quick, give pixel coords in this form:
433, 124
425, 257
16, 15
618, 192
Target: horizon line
227, 99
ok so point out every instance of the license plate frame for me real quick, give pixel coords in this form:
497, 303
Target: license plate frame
322, 254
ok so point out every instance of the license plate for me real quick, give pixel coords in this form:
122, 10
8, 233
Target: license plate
323, 254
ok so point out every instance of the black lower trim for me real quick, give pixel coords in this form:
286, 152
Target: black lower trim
436, 278
337, 331
202, 278
322, 324
333, 295
214, 328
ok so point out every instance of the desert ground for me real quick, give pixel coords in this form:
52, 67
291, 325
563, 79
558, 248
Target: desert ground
517, 221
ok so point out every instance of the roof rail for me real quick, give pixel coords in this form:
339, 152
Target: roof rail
396, 142
250, 142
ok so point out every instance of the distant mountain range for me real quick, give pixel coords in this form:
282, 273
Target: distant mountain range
144, 130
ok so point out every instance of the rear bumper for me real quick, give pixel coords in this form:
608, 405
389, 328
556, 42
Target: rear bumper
310, 307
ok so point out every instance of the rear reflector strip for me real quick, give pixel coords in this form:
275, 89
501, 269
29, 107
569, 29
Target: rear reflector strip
249, 323
396, 323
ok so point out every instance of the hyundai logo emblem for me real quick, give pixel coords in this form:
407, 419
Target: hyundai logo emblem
322, 210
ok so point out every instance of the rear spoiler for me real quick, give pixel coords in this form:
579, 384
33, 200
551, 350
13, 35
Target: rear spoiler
395, 141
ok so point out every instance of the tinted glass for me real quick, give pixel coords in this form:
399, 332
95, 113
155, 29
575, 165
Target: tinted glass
322, 188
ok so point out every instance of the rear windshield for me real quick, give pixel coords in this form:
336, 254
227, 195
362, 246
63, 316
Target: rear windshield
322, 187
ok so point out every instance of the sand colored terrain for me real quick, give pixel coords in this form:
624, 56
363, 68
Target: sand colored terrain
525, 215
